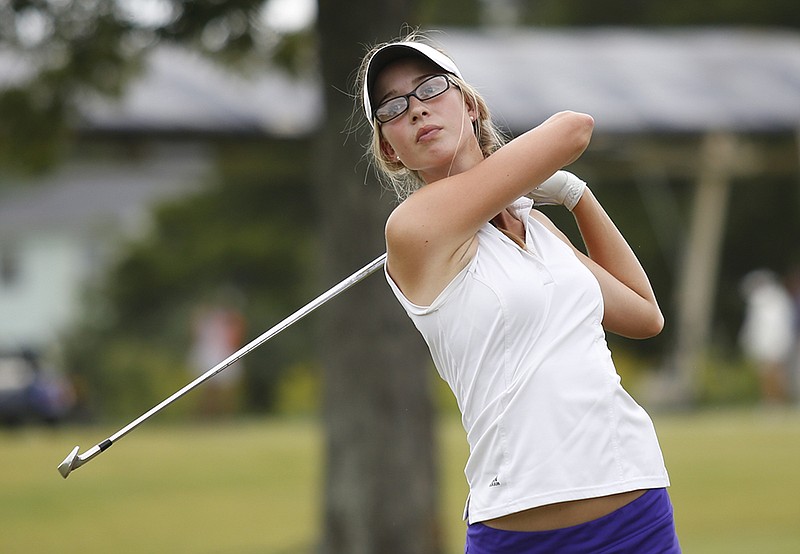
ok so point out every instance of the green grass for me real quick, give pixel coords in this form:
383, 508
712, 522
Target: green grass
255, 486
736, 479
228, 488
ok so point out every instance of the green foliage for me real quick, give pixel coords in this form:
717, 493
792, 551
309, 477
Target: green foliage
243, 232
246, 240
453, 13
299, 391
130, 376
229, 26
68, 49
32, 134
726, 382
296, 52
779, 13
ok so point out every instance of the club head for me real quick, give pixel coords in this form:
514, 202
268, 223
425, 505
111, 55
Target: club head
69, 463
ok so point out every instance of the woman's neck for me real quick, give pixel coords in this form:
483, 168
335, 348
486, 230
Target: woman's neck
512, 227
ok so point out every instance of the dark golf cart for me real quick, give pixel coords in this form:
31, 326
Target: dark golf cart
31, 392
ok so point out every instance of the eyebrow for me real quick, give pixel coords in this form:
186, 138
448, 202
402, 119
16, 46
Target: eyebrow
392, 93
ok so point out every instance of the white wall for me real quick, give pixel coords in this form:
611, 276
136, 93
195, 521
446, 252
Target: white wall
43, 295
58, 233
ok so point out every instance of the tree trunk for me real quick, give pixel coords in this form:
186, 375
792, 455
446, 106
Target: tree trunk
380, 481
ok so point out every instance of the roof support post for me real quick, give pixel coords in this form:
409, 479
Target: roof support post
699, 271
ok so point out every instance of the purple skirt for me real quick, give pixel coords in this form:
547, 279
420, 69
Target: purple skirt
645, 526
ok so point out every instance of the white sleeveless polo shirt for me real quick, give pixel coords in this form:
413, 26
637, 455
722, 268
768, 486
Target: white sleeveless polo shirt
518, 337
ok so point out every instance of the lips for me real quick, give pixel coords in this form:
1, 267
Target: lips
427, 132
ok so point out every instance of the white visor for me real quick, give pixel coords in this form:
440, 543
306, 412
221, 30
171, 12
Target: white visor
395, 51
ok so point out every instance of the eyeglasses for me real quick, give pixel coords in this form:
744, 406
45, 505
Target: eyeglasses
427, 89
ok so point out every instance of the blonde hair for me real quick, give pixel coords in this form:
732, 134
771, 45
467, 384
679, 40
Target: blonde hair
392, 172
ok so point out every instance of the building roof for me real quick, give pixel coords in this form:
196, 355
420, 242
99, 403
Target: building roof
84, 195
636, 80
630, 80
179, 90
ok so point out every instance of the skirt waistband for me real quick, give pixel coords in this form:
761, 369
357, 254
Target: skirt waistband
644, 526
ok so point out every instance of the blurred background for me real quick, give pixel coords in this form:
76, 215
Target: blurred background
176, 177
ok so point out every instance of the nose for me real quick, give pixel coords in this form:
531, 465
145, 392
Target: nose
416, 107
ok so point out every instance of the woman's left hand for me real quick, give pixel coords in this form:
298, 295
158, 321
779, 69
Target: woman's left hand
562, 188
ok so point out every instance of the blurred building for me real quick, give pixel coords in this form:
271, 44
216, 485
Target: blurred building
60, 230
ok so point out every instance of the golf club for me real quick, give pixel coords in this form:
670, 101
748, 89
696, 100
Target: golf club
74, 460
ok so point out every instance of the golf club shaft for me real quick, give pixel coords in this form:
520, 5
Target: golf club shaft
356, 277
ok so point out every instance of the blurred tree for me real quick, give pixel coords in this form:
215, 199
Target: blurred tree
71, 49
380, 473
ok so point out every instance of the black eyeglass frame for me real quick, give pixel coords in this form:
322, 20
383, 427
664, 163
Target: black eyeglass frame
414, 93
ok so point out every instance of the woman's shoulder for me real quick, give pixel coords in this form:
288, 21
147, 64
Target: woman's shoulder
420, 260
423, 220
402, 225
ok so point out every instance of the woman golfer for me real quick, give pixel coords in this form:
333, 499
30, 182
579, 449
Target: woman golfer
561, 458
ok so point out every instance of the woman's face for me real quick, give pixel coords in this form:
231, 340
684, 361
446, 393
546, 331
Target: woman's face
430, 136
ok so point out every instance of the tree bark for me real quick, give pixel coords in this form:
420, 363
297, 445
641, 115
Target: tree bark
380, 478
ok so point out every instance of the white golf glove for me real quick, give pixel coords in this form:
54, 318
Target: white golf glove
561, 188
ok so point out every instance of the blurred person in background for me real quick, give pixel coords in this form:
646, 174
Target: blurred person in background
767, 336
218, 330
562, 459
